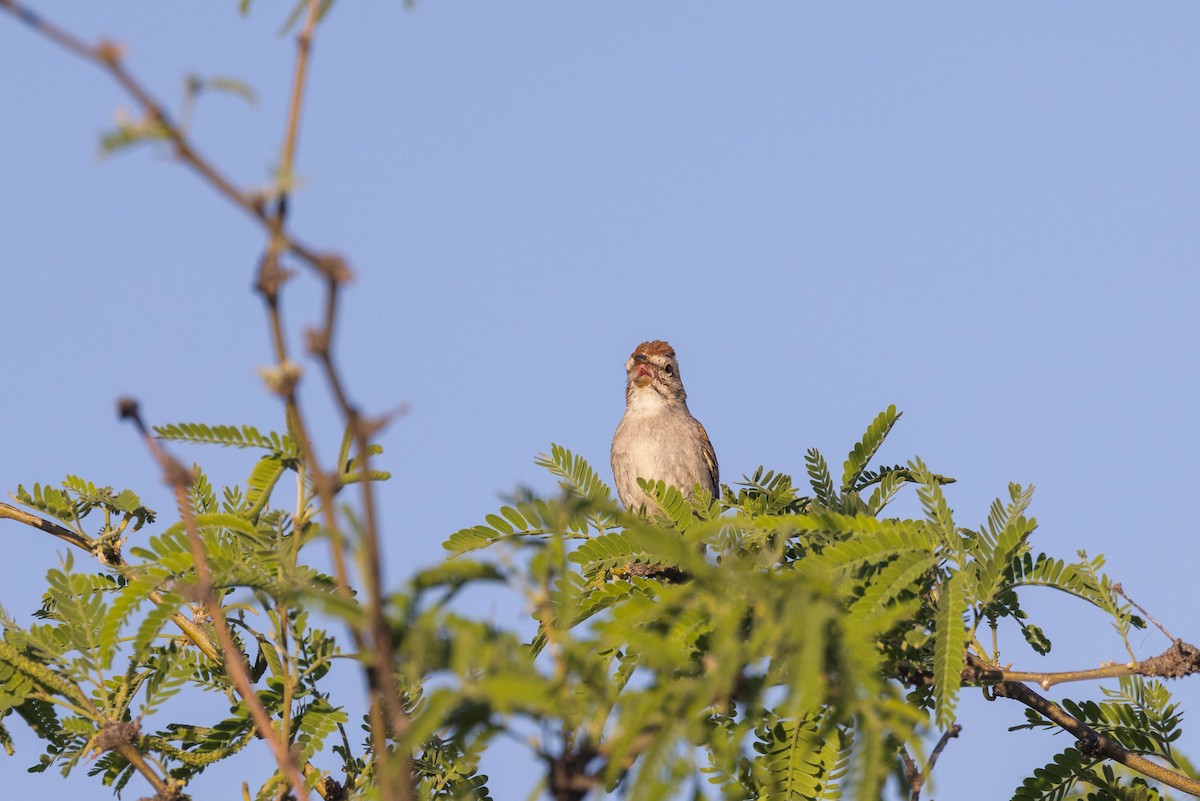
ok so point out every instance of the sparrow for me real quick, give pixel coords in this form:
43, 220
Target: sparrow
658, 438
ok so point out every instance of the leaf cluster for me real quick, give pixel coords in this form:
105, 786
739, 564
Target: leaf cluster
775, 642
117, 645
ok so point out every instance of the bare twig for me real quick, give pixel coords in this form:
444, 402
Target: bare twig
1090, 742
64, 534
912, 774
179, 478
108, 56
117, 562
283, 378
119, 736
386, 707
947, 736
1119, 590
380, 633
917, 777
1180, 659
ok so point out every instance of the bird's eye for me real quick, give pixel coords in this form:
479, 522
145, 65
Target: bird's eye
669, 370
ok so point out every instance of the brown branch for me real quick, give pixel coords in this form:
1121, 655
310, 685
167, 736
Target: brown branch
64, 534
384, 670
299, 77
947, 736
283, 380
912, 774
119, 736
1091, 743
114, 560
386, 706
916, 777
179, 478
134, 757
1180, 659
108, 57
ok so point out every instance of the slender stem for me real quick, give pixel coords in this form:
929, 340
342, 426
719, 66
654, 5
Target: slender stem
1180, 659
916, 777
912, 775
134, 757
277, 241
114, 560
384, 669
948, 735
178, 478
299, 78
64, 534
381, 672
1120, 590
1048, 680
1091, 742
107, 56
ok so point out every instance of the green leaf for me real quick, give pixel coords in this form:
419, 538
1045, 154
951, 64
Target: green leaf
656, 545
534, 519
802, 759
133, 132
266, 473
315, 723
577, 476
455, 574
231, 86
229, 436
866, 448
937, 510
820, 479
901, 575
1055, 780
152, 625
53, 502
869, 540
949, 647
994, 562
671, 502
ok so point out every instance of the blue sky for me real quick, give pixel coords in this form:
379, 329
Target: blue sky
985, 214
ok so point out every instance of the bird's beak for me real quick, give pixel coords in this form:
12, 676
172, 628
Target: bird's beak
643, 375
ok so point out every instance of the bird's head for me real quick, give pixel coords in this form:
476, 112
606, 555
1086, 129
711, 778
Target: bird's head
652, 367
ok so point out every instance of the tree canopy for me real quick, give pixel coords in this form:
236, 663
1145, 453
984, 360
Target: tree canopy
787, 639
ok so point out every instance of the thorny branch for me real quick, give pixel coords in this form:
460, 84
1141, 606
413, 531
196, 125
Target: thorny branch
387, 714
1090, 742
117, 562
1180, 659
109, 57
917, 777
179, 478
108, 740
382, 674
284, 377
119, 736
64, 534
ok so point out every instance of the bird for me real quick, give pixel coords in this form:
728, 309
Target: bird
657, 438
